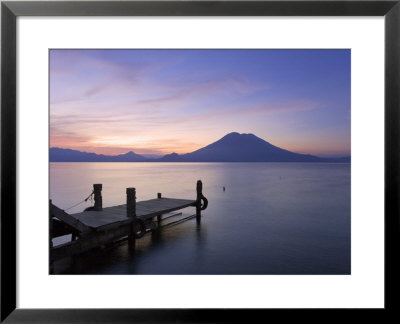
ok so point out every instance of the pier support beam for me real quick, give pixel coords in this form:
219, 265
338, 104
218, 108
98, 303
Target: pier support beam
131, 212
98, 200
159, 216
199, 190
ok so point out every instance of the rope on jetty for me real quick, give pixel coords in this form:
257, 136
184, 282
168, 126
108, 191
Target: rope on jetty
84, 200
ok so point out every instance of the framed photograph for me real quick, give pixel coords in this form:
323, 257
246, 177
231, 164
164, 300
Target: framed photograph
198, 161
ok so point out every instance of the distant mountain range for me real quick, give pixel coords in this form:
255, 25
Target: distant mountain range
67, 155
233, 147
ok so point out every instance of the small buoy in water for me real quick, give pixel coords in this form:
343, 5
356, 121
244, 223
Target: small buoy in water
223, 188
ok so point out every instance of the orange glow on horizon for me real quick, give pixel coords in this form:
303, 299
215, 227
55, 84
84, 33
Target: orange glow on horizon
156, 102
97, 147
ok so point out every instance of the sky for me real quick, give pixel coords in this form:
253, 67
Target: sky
164, 101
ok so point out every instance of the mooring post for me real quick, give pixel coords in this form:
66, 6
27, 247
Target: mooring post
131, 212
159, 216
51, 265
199, 190
98, 200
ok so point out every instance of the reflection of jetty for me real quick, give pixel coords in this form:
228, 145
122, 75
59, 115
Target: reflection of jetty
97, 226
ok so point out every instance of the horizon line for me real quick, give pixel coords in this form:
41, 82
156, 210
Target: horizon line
159, 155
148, 156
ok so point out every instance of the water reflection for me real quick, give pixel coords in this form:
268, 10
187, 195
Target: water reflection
272, 218
105, 258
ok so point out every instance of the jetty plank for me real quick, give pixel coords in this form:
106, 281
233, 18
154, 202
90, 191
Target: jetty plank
111, 217
69, 219
98, 226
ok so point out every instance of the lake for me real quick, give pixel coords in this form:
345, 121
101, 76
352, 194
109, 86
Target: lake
273, 218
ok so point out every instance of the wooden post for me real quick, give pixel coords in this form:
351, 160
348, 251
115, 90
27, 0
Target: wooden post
199, 190
51, 265
98, 200
159, 216
131, 212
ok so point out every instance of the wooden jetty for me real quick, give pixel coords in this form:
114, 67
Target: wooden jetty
97, 226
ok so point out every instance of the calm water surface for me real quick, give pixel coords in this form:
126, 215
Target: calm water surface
273, 218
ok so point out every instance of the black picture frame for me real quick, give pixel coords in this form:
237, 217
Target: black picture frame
10, 10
